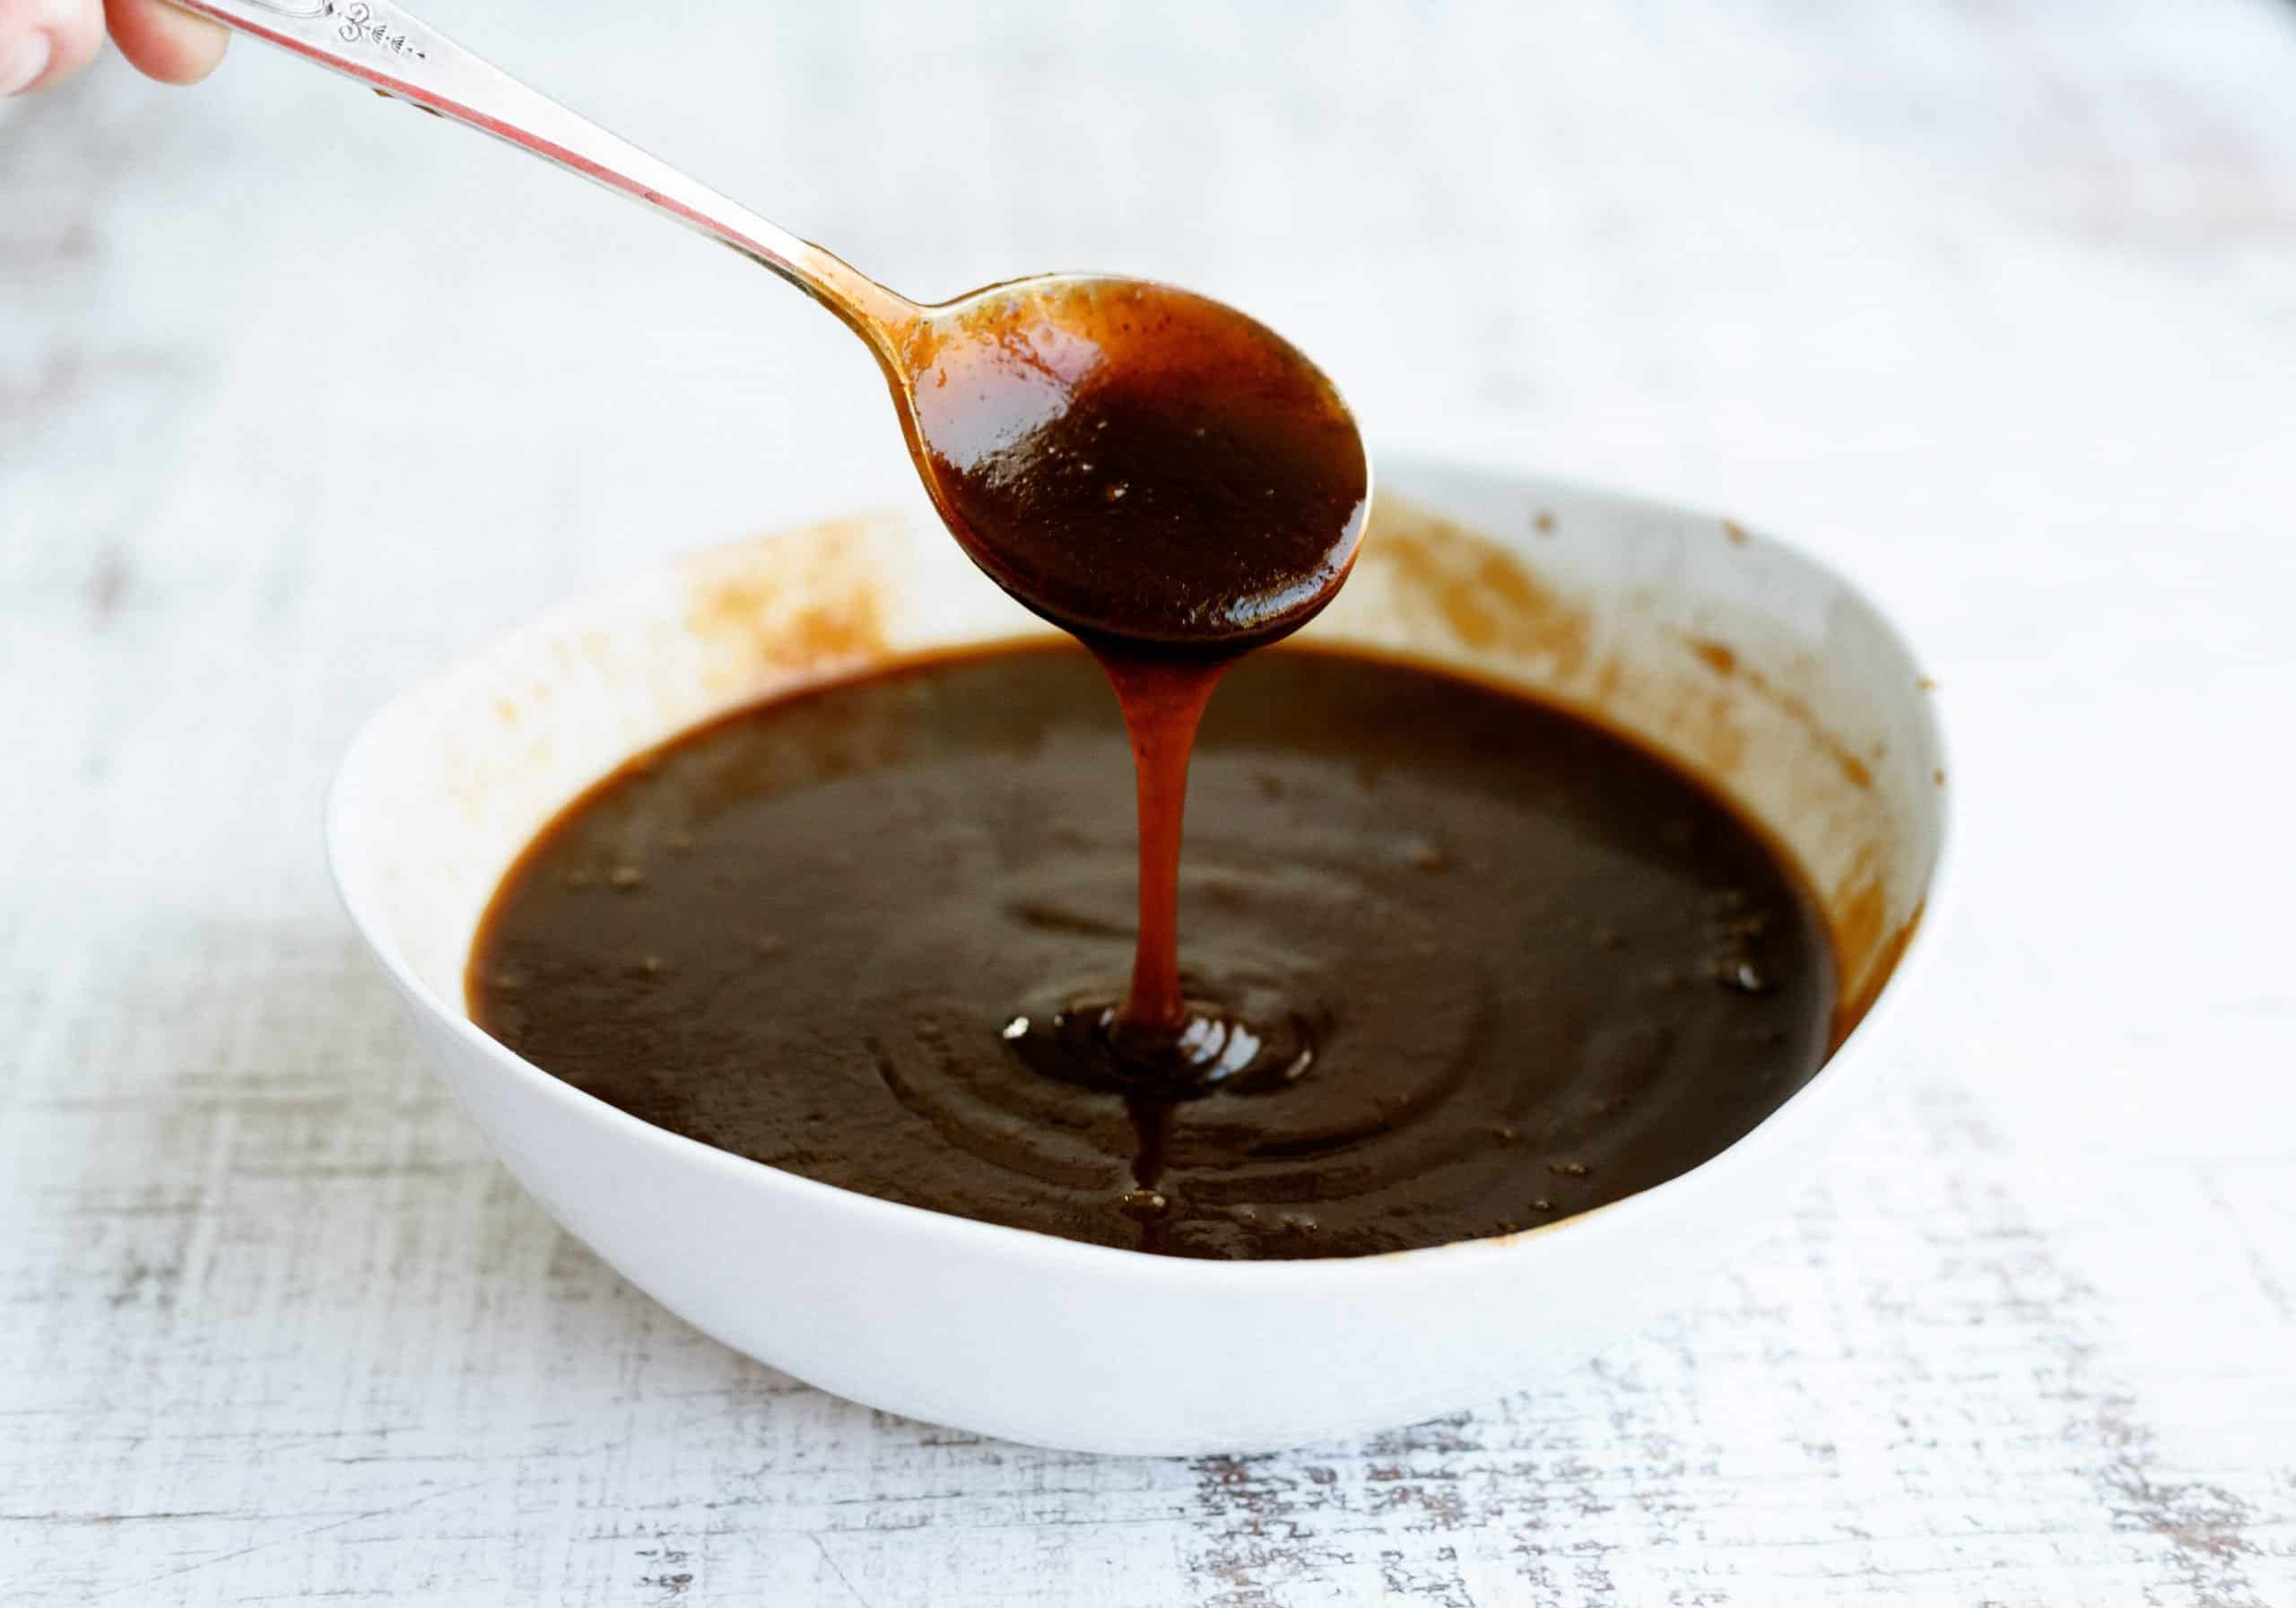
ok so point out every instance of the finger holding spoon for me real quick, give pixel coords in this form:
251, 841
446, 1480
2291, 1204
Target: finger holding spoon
163, 42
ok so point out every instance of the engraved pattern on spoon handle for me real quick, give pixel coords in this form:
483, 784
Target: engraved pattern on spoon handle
388, 49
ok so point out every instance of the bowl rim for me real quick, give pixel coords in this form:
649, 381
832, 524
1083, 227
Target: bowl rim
1820, 1094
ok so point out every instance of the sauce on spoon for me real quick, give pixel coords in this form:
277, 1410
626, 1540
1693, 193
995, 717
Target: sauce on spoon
1150, 469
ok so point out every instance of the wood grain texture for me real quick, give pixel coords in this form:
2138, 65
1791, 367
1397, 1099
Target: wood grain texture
1993, 305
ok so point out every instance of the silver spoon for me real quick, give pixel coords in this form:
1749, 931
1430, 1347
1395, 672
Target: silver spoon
1148, 468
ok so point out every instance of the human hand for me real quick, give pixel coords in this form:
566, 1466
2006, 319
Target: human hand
44, 41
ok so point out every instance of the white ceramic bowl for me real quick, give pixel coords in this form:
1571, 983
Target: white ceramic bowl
1763, 671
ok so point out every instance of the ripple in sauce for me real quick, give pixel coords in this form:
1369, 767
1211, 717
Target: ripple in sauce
1471, 965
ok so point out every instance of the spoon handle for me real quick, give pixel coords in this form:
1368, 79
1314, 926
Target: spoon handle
382, 45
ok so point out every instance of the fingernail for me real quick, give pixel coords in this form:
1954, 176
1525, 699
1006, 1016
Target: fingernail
25, 63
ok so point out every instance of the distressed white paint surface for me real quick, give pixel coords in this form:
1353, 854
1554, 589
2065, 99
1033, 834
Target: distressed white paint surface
1994, 305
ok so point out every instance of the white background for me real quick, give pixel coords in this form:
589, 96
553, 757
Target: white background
1991, 305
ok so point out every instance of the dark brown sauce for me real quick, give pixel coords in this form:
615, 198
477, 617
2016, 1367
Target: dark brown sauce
1460, 963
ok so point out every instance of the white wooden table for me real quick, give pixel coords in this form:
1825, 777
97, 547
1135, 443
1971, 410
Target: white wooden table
1993, 305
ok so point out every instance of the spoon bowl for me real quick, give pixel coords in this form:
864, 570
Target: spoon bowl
1136, 463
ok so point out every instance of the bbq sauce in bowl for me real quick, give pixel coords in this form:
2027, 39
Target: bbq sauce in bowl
1455, 964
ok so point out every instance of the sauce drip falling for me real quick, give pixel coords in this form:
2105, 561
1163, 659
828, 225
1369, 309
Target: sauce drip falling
1175, 485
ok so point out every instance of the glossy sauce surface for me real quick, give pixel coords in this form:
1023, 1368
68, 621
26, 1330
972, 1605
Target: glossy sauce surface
1488, 964
1147, 468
